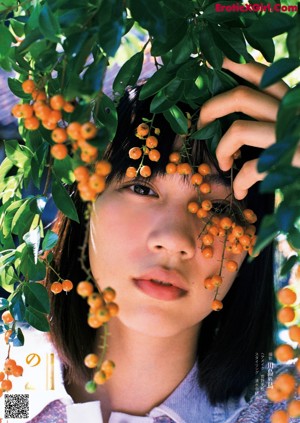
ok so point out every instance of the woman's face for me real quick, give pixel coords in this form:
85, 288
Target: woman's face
144, 243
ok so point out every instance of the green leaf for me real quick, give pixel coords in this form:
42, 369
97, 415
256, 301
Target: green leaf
32, 37
272, 155
210, 50
158, 80
270, 25
279, 179
48, 24
22, 219
6, 40
3, 303
278, 70
37, 319
288, 265
293, 38
265, 46
93, 77
293, 239
176, 29
149, 15
129, 73
16, 88
17, 305
62, 200
189, 70
110, 33
207, 132
49, 241
32, 240
20, 155
177, 120
160, 103
36, 295
63, 170
107, 115
18, 340
267, 232
232, 44
183, 50
286, 215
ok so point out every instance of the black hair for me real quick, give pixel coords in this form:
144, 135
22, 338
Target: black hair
230, 339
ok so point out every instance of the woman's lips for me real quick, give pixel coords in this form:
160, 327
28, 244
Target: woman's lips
162, 284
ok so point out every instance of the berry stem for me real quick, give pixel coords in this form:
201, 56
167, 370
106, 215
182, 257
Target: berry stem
104, 345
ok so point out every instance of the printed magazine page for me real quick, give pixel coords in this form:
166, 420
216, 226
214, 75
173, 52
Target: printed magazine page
149, 211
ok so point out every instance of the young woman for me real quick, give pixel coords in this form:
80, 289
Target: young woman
176, 360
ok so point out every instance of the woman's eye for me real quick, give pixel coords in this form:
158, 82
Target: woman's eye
142, 190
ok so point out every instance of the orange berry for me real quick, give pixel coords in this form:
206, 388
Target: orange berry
175, 157
237, 249
87, 148
214, 230
67, 285
135, 153
99, 377
49, 125
81, 174
145, 171
294, 408
17, 371
88, 157
109, 294
285, 383
32, 123
38, 95
171, 168
57, 102
231, 266
154, 155
26, 110
294, 333
184, 169
2, 376
85, 288
280, 416
202, 213
217, 305
88, 194
287, 296
245, 241
208, 239
204, 169
88, 130
97, 183
226, 223
142, 130
237, 231
217, 280
108, 367
249, 215
113, 309
68, 107
16, 111
131, 172
42, 111
206, 205
94, 321
103, 314
103, 168
151, 141
196, 179
208, 284
6, 385
56, 287
59, 135
74, 130
250, 230
157, 131
54, 117
9, 366
91, 361
7, 317
286, 315
205, 188
193, 207
207, 252
59, 151
95, 300
28, 86
284, 353
275, 394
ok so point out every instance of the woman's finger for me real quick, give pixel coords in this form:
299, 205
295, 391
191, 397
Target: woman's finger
243, 132
256, 104
247, 176
253, 73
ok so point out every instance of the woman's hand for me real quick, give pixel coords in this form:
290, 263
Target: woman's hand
260, 105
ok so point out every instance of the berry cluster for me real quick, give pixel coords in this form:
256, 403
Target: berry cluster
101, 309
285, 386
143, 131
11, 368
73, 137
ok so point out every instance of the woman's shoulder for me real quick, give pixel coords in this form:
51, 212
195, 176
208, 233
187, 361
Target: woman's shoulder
259, 408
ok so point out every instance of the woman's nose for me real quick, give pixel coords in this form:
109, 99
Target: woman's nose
174, 236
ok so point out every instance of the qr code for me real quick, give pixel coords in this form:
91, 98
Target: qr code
16, 406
